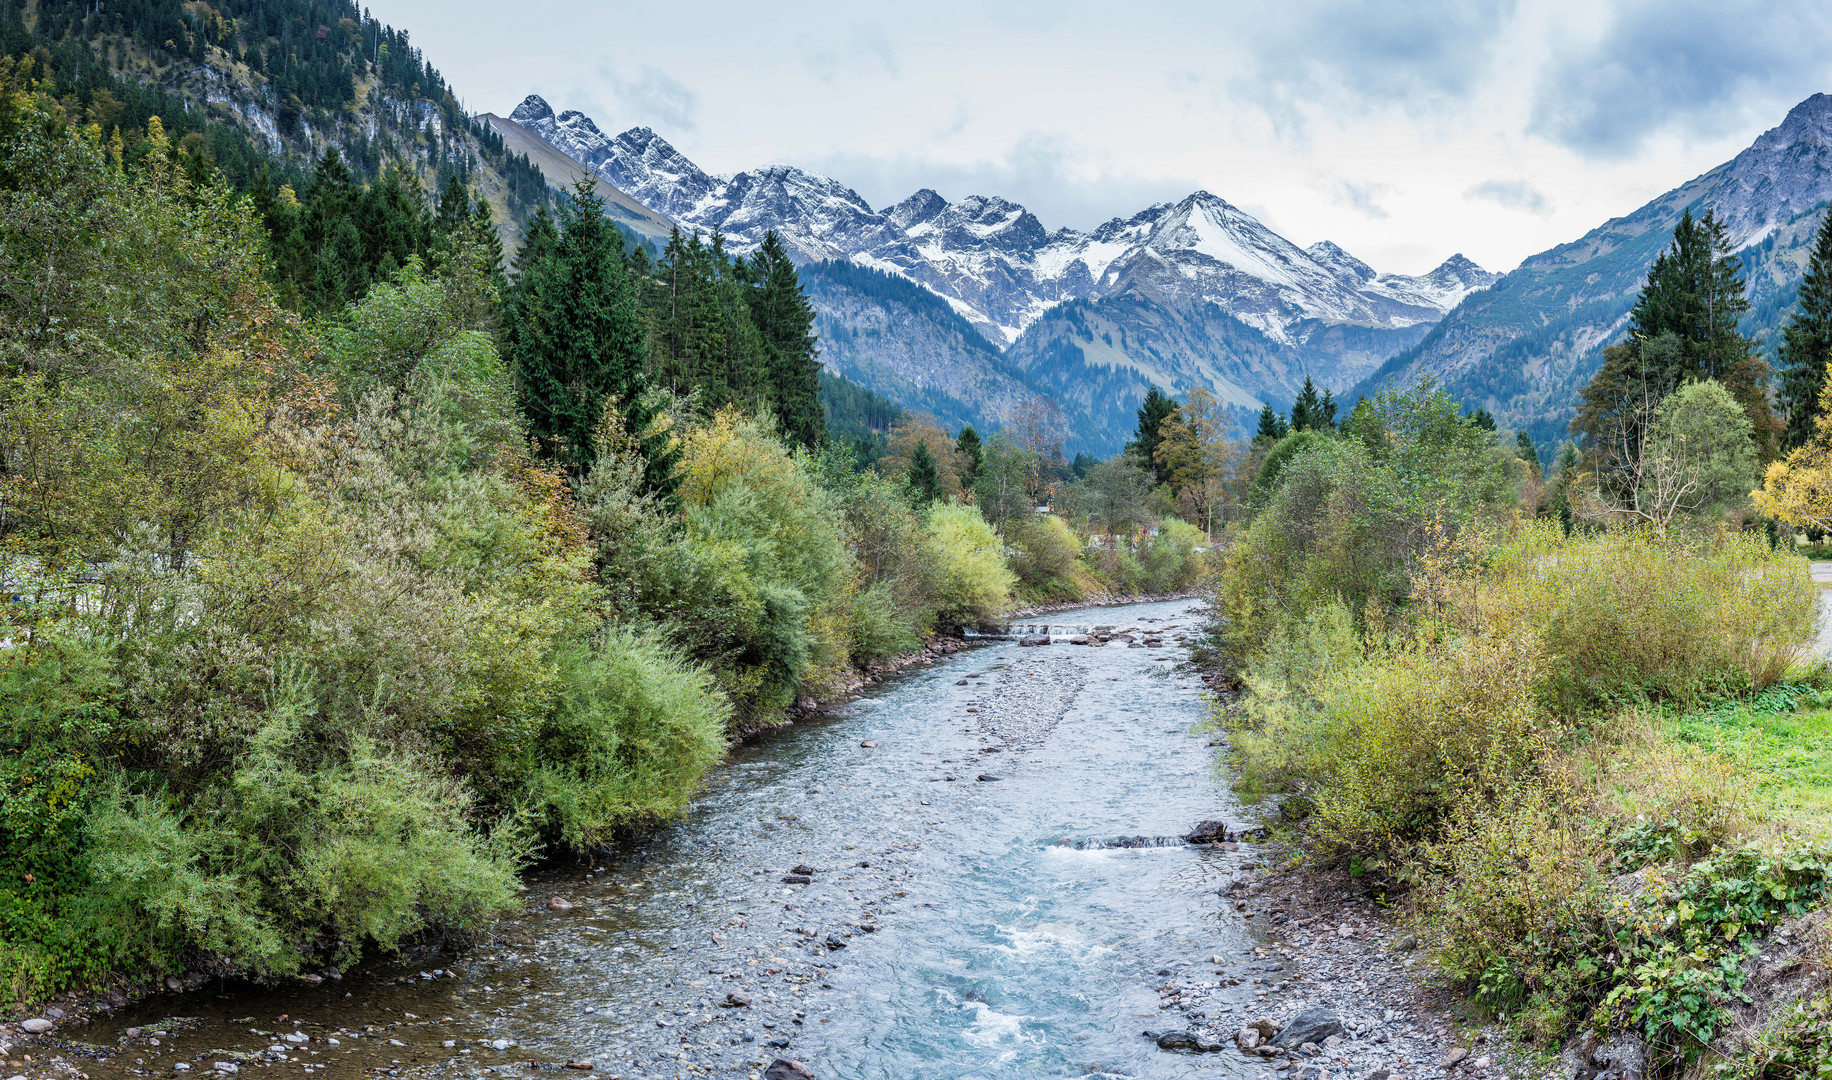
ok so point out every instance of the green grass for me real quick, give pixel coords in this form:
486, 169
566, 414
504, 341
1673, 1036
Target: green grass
1786, 752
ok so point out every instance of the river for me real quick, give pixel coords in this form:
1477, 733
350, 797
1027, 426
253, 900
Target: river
969, 914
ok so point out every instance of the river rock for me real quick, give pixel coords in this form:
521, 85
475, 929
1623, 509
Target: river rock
1033, 641
560, 903
988, 778
737, 999
1454, 1058
37, 1025
1208, 832
803, 868
1310, 1026
1247, 1038
784, 1069
797, 879
1183, 1040
1622, 1057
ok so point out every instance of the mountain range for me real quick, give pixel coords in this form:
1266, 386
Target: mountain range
1196, 292
1199, 292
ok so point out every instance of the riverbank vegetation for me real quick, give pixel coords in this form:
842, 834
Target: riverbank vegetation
330, 601
1571, 727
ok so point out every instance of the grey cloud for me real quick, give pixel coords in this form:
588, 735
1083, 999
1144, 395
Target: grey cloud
870, 42
1313, 52
1364, 197
866, 47
1513, 194
651, 97
1709, 66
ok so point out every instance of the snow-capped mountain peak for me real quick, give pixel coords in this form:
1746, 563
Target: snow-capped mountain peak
995, 262
1346, 267
532, 110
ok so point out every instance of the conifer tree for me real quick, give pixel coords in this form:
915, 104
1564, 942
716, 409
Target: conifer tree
738, 355
1157, 408
483, 231
1311, 411
1684, 326
1272, 427
973, 455
785, 320
924, 478
1523, 445
575, 339
1482, 418
1365, 424
1807, 342
686, 335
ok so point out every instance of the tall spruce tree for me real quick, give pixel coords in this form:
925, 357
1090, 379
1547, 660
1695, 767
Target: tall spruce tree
687, 332
1807, 342
1684, 326
973, 455
575, 339
785, 320
1272, 427
1153, 412
1312, 411
924, 478
1523, 445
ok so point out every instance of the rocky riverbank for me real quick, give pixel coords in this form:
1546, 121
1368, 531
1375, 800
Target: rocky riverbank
1338, 989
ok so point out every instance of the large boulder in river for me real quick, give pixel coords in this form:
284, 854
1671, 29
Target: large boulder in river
1033, 640
1184, 1040
1310, 1026
784, 1069
1208, 832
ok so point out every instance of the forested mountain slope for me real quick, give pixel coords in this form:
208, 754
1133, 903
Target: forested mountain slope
1524, 347
269, 84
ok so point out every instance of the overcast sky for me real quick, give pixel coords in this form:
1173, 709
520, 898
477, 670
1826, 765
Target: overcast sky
1404, 131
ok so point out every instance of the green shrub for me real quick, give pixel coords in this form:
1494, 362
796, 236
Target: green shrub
1517, 899
975, 584
1272, 470
1627, 614
1358, 519
880, 626
632, 731
1172, 564
1044, 556
303, 852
